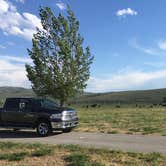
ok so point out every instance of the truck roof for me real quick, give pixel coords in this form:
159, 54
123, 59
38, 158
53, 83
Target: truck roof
18, 98
31, 98
21, 98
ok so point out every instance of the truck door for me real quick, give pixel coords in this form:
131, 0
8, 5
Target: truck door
10, 111
18, 113
27, 116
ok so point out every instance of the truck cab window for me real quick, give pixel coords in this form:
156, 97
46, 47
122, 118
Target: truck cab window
45, 103
12, 105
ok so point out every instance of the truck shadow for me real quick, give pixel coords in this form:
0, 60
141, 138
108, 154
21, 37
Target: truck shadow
22, 134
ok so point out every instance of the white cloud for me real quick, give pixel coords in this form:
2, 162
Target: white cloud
32, 20
15, 59
162, 45
125, 12
12, 71
4, 6
151, 51
61, 5
156, 64
10, 43
22, 1
6, 44
131, 80
15, 23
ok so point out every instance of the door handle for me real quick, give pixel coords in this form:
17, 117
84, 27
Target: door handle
29, 115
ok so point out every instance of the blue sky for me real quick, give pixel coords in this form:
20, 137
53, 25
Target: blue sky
127, 38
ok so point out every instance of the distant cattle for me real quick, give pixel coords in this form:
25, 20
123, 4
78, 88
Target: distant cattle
94, 105
117, 106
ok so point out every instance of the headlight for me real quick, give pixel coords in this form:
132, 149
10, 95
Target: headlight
56, 116
71, 113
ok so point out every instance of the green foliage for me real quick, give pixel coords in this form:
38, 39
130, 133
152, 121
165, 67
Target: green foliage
61, 65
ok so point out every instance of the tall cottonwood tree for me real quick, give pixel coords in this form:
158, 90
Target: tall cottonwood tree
61, 65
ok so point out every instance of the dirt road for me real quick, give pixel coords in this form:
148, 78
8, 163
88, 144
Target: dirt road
132, 143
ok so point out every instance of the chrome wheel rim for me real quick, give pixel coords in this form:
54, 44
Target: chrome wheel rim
43, 128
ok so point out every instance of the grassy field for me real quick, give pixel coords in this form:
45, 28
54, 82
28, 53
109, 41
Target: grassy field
123, 120
12, 154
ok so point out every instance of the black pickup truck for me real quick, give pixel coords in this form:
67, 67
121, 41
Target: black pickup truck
44, 115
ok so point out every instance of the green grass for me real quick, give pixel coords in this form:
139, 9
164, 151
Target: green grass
16, 151
73, 155
13, 156
101, 157
77, 159
42, 152
108, 119
9, 145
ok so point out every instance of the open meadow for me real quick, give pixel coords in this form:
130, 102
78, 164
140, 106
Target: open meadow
17, 154
132, 120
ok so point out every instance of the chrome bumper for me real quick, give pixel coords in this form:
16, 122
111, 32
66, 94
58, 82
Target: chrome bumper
64, 125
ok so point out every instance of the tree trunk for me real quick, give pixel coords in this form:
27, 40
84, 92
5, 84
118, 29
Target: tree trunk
61, 103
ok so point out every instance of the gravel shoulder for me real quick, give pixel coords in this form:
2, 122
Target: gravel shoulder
123, 142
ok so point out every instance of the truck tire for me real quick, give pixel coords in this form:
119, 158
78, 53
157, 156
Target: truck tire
43, 128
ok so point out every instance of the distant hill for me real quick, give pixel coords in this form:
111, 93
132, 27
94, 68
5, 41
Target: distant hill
15, 92
125, 97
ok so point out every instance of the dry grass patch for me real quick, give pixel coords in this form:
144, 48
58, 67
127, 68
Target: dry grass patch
72, 155
123, 120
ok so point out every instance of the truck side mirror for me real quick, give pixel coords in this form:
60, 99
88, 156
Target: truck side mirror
21, 106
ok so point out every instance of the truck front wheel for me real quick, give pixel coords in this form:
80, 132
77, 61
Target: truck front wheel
43, 128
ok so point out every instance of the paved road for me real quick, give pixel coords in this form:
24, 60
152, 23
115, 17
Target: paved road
132, 143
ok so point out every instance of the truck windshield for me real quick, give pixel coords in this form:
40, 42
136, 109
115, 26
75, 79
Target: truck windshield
46, 103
